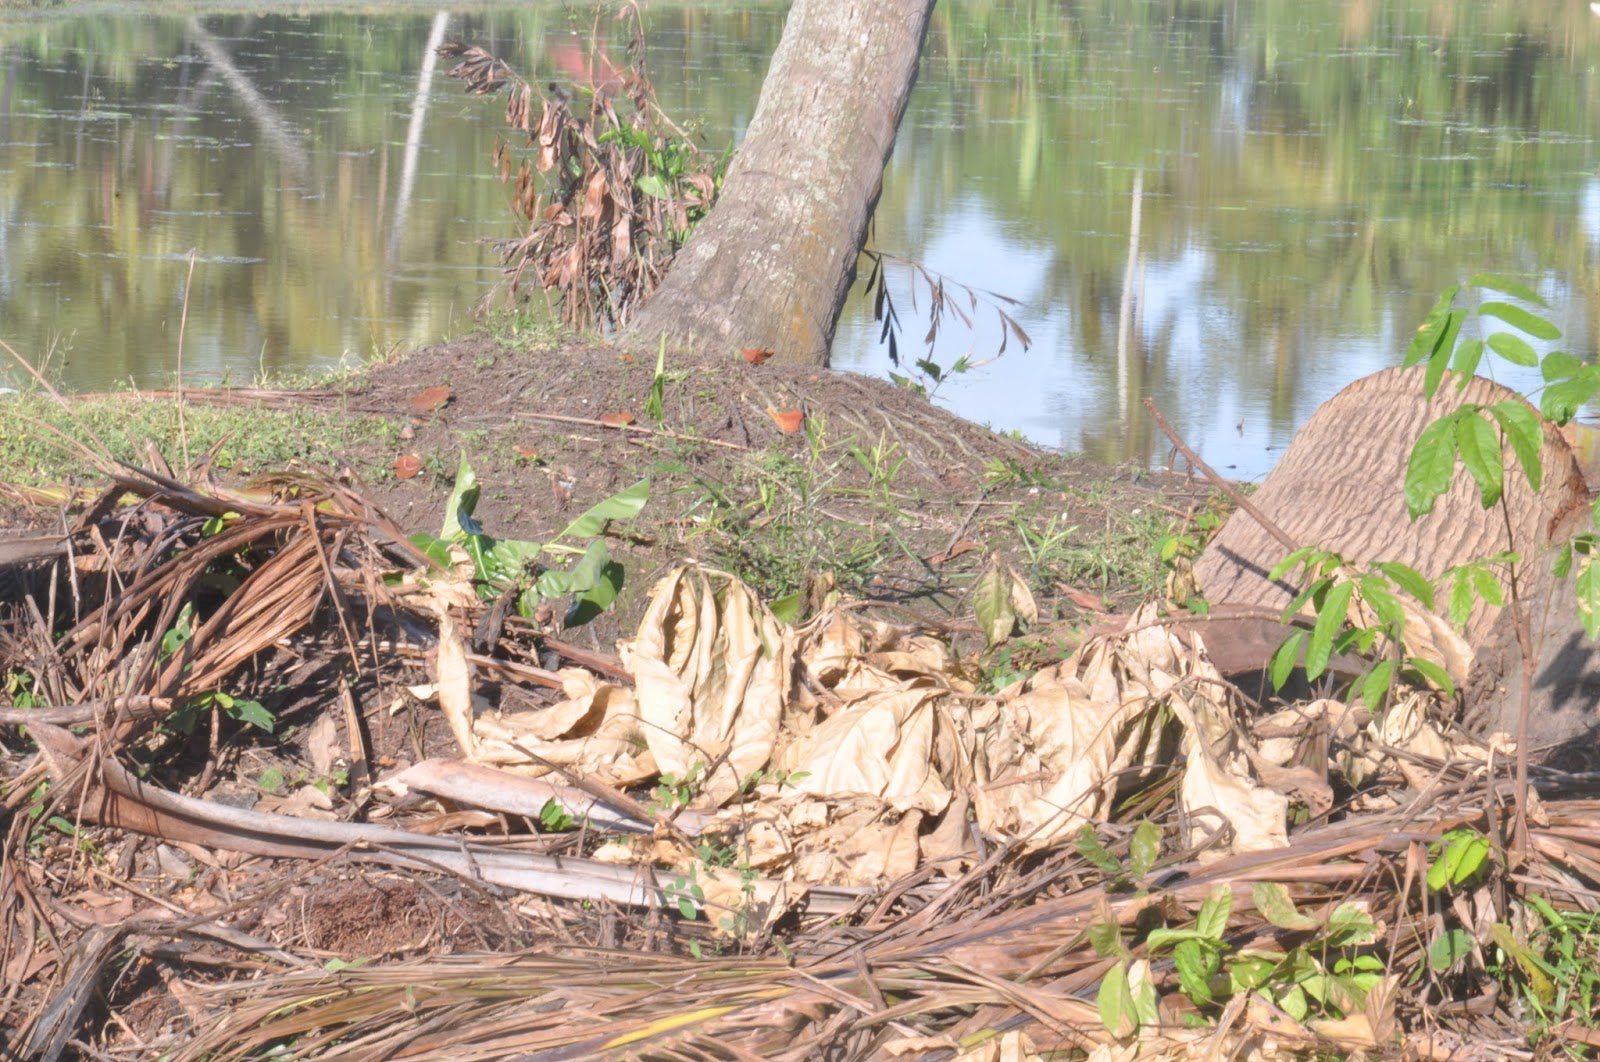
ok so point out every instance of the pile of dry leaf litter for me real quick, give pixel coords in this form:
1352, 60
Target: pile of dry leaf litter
757, 840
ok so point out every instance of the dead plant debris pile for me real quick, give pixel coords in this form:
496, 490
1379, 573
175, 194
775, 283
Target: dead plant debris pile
736, 838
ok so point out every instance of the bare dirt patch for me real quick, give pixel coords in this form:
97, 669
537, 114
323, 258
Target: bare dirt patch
890, 495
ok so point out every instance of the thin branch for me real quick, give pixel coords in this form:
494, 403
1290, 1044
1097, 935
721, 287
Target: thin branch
661, 432
1233, 493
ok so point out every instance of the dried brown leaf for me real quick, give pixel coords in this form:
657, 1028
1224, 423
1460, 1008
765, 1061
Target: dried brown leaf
788, 421
407, 466
430, 400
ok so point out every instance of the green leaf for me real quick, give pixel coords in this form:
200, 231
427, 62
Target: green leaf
653, 408
1460, 598
1106, 939
787, 609
1426, 341
1544, 990
1441, 354
462, 501
1558, 365
337, 965
1159, 939
652, 186
1520, 319
1479, 448
1330, 620
1376, 685
1146, 1006
1474, 848
623, 505
507, 559
1317, 588
435, 549
1115, 1002
1465, 362
1408, 579
481, 549
1376, 593
1248, 974
1588, 587
1349, 926
1463, 853
1212, 921
1272, 899
594, 599
1561, 401
1294, 1003
1316, 986
1285, 659
554, 817
587, 573
1433, 673
991, 600
1487, 586
1563, 562
1144, 848
1089, 846
1525, 434
252, 712
1505, 286
1190, 958
1513, 348
1433, 460
1287, 565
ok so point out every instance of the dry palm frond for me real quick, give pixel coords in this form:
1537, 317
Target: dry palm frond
235, 573
976, 971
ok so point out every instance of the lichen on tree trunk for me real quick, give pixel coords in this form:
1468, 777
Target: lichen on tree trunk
771, 265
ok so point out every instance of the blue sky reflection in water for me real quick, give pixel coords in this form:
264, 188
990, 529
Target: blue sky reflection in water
1313, 173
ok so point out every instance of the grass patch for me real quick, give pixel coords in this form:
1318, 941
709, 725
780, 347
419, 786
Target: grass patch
851, 513
1093, 543
35, 451
532, 327
770, 519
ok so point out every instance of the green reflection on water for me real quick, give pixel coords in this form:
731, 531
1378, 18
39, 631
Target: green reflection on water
1313, 172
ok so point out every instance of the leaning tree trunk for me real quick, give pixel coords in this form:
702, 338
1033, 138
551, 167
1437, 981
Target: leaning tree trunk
771, 265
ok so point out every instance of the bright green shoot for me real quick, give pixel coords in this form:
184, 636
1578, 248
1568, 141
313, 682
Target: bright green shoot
593, 582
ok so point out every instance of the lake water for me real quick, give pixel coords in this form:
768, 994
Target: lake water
1309, 175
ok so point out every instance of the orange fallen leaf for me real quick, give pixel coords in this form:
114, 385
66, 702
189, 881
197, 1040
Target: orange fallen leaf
1083, 599
966, 545
620, 419
407, 466
789, 420
527, 454
756, 355
430, 399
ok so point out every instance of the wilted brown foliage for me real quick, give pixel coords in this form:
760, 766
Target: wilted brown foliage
605, 186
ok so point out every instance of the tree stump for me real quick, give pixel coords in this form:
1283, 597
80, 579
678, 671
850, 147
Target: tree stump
1340, 485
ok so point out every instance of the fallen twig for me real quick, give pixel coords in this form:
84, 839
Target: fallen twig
1233, 493
132, 707
637, 429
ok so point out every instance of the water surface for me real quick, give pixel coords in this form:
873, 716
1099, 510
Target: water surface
1310, 174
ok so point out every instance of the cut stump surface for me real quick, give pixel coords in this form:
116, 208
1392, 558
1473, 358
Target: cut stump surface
1340, 485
